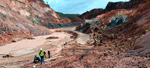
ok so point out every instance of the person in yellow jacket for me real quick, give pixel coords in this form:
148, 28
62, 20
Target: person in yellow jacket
42, 55
96, 42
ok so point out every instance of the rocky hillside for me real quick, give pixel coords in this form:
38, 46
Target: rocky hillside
125, 33
21, 18
129, 21
123, 43
91, 14
111, 6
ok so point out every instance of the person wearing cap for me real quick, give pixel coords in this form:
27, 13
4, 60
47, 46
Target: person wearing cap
42, 54
36, 59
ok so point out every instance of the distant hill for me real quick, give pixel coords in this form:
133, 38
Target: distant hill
62, 15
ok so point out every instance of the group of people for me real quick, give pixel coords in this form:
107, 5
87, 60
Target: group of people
42, 57
98, 38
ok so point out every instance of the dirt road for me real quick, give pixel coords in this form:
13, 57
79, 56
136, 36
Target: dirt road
24, 50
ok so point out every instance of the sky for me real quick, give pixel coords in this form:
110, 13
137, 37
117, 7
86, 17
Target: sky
78, 6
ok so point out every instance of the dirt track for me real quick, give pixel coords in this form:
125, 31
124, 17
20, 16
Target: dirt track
24, 50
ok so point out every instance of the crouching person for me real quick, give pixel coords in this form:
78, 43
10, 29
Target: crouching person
36, 59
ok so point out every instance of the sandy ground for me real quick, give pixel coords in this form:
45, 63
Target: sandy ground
27, 46
24, 50
82, 38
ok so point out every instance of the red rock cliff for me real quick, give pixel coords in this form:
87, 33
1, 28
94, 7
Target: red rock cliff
23, 18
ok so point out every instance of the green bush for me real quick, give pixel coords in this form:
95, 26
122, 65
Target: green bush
2, 6
3, 29
33, 21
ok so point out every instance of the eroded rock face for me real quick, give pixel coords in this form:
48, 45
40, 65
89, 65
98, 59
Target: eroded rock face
136, 27
65, 21
112, 6
91, 14
142, 46
136, 11
130, 48
143, 40
21, 18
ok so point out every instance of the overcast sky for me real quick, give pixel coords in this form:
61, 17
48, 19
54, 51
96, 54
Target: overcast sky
77, 6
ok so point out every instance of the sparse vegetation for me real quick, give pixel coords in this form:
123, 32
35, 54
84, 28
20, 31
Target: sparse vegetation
18, 12
9, 8
73, 51
17, 26
8, 30
36, 21
12, 18
33, 21
4, 17
19, 1
15, 30
2, 6
3, 29
22, 8
66, 15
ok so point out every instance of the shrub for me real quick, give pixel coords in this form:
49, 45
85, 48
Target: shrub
15, 30
18, 12
22, 8
66, 15
2, 6
19, 1
4, 17
3, 29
